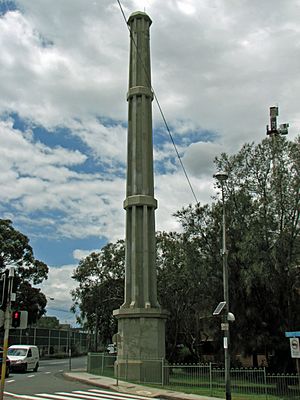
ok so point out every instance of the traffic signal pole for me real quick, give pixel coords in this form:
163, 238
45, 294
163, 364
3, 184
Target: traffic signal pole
7, 318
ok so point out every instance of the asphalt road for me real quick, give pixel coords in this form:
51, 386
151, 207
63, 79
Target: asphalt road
48, 379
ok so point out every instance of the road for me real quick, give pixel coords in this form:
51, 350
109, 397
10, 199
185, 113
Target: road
48, 379
49, 383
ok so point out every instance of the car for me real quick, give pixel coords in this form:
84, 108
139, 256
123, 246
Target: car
7, 363
23, 357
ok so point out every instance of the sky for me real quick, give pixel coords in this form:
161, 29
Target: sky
217, 67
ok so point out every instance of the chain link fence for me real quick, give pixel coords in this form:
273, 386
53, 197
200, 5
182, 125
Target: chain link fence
52, 342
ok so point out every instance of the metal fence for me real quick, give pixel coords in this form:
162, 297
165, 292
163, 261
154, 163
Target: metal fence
52, 341
204, 379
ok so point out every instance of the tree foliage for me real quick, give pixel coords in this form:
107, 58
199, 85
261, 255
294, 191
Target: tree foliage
15, 251
262, 218
100, 291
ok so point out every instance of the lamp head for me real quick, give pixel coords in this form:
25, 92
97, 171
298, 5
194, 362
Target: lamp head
230, 317
221, 176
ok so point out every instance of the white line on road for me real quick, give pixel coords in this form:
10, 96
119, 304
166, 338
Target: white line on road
57, 362
91, 394
69, 396
128, 396
22, 396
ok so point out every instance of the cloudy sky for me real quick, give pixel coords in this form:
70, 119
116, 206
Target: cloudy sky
217, 67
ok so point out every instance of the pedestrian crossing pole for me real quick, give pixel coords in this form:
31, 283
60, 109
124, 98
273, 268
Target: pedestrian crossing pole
7, 321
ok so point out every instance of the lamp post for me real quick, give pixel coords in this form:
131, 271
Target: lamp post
222, 177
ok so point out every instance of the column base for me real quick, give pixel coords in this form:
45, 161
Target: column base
141, 347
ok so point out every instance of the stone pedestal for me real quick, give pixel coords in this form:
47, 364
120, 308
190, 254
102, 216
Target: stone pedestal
141, 349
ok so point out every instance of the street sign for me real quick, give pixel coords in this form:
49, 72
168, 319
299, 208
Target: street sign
292, 334
295, 347
225, 326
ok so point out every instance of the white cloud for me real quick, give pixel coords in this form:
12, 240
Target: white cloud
79, 254
58, 287
39, 178
199, 158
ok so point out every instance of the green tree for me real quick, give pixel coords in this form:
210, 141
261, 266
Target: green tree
186, 288
15, 251
48, 322
100, 291
263, 204
262, 209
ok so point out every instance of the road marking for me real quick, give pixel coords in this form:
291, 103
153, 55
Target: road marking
56, 362
91, 394
30, 376
11, 380
48, 372
117, 394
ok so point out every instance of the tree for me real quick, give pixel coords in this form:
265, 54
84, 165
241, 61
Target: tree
185, 288
48, 323
15, 251
100, 291
262, 209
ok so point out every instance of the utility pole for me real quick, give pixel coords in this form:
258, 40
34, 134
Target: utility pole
7, 320
222, 177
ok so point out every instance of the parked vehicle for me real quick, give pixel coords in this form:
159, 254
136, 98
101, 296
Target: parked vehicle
7, 363
23, 357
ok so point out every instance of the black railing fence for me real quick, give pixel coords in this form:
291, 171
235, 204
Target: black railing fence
204, 379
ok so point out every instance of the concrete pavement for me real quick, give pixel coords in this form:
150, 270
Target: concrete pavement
132, 388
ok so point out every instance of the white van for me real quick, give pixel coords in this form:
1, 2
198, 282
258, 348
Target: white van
23, 357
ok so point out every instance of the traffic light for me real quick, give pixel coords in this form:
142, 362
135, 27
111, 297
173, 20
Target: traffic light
16, 319
19, 319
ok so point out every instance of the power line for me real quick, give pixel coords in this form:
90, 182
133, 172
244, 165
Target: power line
159, 106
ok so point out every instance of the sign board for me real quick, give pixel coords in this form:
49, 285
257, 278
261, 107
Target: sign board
295, 347
225, 326
292, 334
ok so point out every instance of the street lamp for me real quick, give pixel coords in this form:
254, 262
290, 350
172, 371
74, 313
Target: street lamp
222, 177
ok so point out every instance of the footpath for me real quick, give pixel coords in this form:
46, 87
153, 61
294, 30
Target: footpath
131, 388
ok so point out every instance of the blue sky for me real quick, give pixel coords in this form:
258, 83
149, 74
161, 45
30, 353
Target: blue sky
217, 67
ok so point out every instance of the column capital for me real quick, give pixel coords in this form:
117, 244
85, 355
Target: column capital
139, 15
139, 91
140, 200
